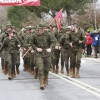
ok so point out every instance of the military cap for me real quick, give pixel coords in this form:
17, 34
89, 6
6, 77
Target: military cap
47, 26
75, 24
13, 27
54, 26
9, 31
42, 26
32, 27
27, 28
8, 25
3, 26
3, 29
67, 29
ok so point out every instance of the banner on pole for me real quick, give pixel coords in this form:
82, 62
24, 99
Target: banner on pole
19, 2
58, 19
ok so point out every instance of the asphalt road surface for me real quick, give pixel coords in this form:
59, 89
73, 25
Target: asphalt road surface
60, 87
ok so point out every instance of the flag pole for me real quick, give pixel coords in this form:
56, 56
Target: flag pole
57, 26
52, 21
26, 52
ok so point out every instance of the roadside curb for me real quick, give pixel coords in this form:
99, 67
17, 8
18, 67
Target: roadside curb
94, 59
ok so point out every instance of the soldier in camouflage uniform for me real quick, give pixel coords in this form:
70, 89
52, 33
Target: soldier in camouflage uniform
42, 44
4, 52
57, 52
53, 57
21, 32
10, 43
32, 56
62, 51
76, 38
64, 43
25, 36
17, 50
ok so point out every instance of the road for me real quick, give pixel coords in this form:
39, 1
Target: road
61, 87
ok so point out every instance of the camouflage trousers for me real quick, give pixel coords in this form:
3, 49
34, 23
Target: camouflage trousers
32, 60
18, 59
43, 65
66, 55
75, 54
12, 57
55, 57
26, 59
4, 61
62, 57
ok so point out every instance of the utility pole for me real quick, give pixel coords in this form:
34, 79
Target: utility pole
95, 16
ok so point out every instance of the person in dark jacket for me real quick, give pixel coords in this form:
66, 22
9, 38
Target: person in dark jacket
96, 42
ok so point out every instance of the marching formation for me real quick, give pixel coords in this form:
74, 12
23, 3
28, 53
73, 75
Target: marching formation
42, 47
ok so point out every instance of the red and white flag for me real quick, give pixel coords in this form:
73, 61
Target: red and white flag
58, 19
19, 2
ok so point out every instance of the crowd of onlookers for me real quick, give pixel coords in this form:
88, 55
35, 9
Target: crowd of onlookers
92, 43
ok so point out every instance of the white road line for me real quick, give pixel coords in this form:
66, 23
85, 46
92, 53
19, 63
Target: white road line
94, 59
83, 61
80, 83
82, 87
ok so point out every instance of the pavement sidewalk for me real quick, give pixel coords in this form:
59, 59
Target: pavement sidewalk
92, 58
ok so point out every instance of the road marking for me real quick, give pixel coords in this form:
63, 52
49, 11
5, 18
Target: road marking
83, 61
93, 59
90, 90
81, 83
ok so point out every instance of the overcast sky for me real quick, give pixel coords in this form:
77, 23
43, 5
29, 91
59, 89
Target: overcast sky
98, 3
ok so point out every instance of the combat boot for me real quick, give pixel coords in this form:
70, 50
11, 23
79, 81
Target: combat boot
10, 77
32, 71
17, 69
35, 75
45, 81
67, 74
14, 75
42, 84
3, 69
53, 70
71, 71
24, 67
73, 75
56, 69
50, 67
62, 69
77, 73
29, 68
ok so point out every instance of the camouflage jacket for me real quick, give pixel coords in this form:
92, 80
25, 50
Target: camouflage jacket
26, 39
64, 42
10, 45
43, 41
75, 37
58, 35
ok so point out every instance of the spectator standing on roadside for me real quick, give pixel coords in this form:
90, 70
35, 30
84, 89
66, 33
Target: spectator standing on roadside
88, 44
96, 42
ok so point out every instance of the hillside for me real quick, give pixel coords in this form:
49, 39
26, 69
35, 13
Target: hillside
3, 15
